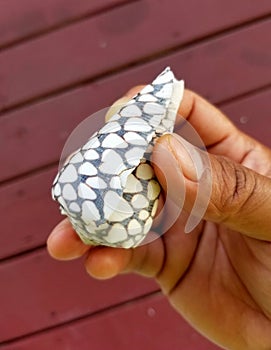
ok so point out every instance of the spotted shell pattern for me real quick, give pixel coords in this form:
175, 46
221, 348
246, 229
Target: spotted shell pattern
108, 189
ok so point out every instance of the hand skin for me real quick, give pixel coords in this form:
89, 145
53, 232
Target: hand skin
218, 277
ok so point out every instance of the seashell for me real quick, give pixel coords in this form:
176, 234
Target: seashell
108, 188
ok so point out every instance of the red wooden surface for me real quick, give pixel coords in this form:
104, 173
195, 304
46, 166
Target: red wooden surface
37, 292
28, 129
148, 324
24, 18
251, 114
81, 51
29, 211
61, 61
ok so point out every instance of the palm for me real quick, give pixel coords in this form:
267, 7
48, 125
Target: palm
223, 284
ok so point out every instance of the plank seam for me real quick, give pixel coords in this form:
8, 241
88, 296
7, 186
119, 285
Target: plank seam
53, 164
10, 258
64, 24
107, 73
31, 172
244, 95
83, 317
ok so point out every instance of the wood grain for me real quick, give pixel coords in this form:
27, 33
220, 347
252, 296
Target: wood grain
30, 212
147, 324
120, 37
61, 61
33, 136
252, 115
37, 292
21, 19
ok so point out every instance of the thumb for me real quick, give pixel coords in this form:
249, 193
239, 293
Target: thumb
239, 197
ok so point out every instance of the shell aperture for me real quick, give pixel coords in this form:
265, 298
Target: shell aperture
108, 188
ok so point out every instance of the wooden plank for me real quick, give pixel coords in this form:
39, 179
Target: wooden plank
252, 115
24, 18
148, 324
25, 134
27, 202
37, 292
81, 51
29, 213
230, 69
53, 287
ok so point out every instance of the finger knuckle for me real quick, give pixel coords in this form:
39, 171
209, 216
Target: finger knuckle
233, 189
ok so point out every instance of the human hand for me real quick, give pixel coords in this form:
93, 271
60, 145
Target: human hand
219, 276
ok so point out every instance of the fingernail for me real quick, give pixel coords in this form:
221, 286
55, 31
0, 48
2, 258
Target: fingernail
167, 169
186, 156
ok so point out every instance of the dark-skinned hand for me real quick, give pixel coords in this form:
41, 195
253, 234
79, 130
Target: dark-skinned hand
218, 277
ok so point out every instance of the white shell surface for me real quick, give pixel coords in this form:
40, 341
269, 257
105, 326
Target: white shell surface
108, 188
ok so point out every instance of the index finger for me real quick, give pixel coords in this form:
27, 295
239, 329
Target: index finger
208, 126
210, 123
